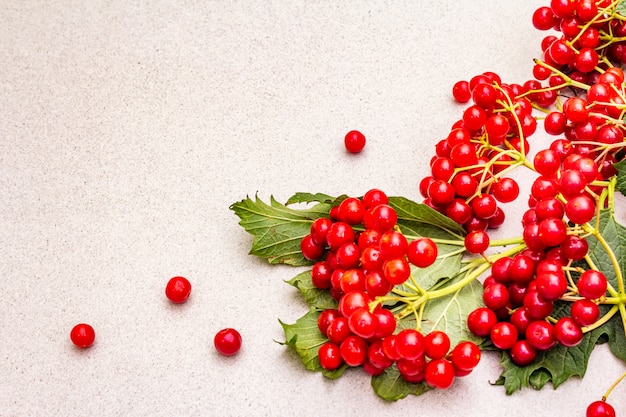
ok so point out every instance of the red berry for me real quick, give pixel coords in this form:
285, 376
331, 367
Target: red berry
522, 353
585, 312
437, 344
422, 252
178, 289
354, 141
227, 341
410, 344
567, 332
439, 373
600, 408
481, 320
329, 356
82, 335
465, 356
592, 284
476, 241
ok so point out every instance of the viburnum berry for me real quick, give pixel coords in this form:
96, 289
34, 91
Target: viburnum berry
353, 350
410, 344
504, 335
383, 218
567, 332
178, 289
476, 241
505, 190
465, 356
227, 341
329, 356
592, 284
422, 252
436, 344
351, 210
461, 91
481, 320
600, 408
439, 373
354, 141
585, 312
540, 335
396, 271
522, 353
325, 318
374, 197
82, 335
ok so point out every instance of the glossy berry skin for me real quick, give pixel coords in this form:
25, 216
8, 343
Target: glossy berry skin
410, 344
481, 320
437, 344
354, 141
422, 252
504, 335
522, 353
592, 284
227, 341
82, 335
585, 312
476, 241
439, 373
465, 356
178, 289
600, 409
329, 356
567, 332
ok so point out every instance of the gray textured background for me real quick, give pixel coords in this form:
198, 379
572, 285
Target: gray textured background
126, 131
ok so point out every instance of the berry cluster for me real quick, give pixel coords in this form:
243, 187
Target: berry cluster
469, 170
591, 34
360, 257
520, 296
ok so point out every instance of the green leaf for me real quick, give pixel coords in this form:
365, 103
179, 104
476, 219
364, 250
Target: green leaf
615, 236
559, 363
306, 198
449, 313
305, 338
316, 298
392, 387
621, 7
277, 229
416, 219
621, 166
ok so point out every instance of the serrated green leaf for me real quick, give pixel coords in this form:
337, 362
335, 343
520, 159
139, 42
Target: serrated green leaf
615, 235
621, 7
449, 313
560, 363
392, 387
555, 365
277, 229
416, 219
305, 338
621, 167
306, 198
316, 298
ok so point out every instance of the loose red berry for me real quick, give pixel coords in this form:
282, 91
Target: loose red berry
178, 289
83, 335
354, 141
227, 341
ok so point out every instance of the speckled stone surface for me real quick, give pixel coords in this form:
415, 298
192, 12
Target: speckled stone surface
127, 129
